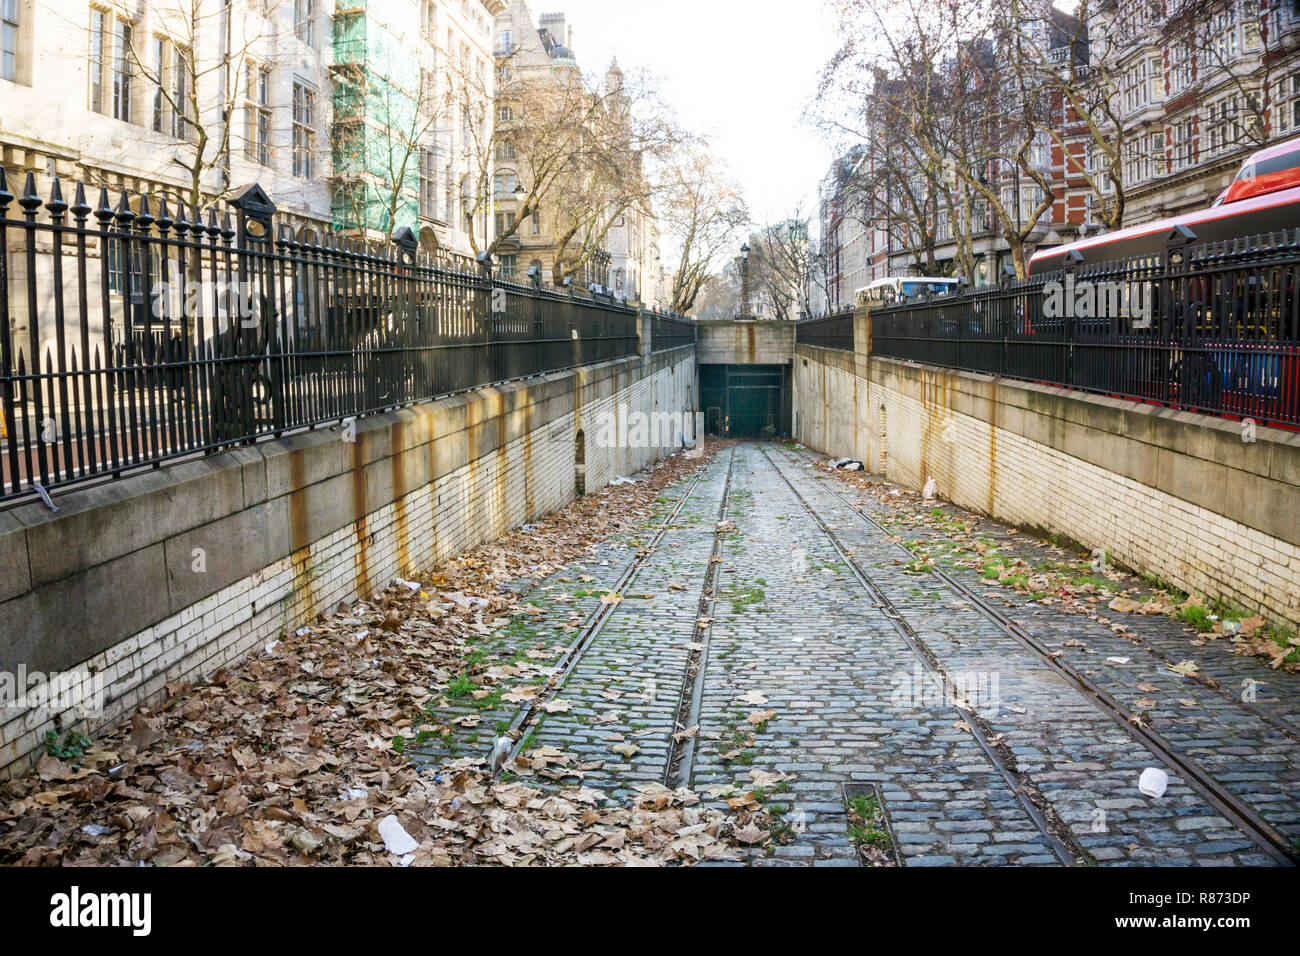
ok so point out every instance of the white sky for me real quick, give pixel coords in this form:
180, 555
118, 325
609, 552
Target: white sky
741, 71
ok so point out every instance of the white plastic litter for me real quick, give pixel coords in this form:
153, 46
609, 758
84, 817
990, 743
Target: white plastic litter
1231, 627
355, 793
396, 840
95, 829
500, 751
409, 585
620, 480
930, 490
1117, 660
1153, 782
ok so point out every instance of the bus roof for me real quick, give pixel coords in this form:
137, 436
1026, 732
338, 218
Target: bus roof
1264, 201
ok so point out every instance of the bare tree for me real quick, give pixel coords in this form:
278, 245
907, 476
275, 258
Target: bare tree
780, 266
702, 213
617, 171
1078, 60
201, 64
1205, 32
945, 76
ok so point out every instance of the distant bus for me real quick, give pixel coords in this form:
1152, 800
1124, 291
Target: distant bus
902, 288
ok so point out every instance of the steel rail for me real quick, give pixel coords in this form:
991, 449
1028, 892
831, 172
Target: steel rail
692, 692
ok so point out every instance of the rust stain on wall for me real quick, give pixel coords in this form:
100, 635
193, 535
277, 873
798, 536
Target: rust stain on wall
299, 531
993, 450
433, 495
397, 465
529, 503
502, 477
361, 554
473, 432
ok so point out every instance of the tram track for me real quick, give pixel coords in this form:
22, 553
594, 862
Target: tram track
681, 753
594, 624
1241, 815
1035, 805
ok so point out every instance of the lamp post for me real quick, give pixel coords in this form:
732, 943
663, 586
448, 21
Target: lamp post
744, 281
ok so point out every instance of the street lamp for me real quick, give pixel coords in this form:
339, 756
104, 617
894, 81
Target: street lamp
744, 281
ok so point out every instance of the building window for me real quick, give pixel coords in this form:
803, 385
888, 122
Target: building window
504, 222
1288, 104
429, 18
159, 60
535, 224
181, 92
97, 26
505, 151
1183, 152
428, 184
122, 72
304, 21
9, 39
304, 130
509, 266
257, 86
1224, 125
504, 185
110, 65
505, 114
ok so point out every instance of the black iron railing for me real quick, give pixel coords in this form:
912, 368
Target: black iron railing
139, 332
833, 331
669, 331
1212, 328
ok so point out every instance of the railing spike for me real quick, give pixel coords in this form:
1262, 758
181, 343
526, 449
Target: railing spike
104, 212
80, 208
164, 220
56, 204
124, 213
29, 200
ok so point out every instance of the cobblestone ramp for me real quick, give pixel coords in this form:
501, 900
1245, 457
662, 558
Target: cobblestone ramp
794, 628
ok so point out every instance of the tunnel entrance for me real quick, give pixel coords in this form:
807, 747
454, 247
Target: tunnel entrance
746, 401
